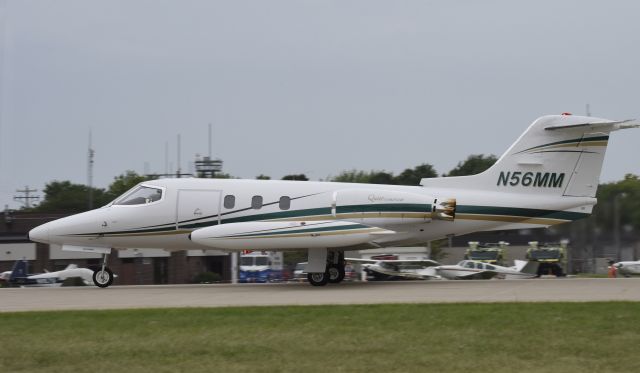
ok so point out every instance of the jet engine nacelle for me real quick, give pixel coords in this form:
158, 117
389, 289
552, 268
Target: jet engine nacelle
268, 235
387, 207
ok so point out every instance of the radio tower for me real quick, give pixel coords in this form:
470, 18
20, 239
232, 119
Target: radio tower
90, 155
26, 198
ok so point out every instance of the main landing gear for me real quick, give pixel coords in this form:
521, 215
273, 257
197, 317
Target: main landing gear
334, 272
103, 277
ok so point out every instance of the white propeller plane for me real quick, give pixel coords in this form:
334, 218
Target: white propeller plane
548, 176
628, 268
414, 269
19, 276
474, 270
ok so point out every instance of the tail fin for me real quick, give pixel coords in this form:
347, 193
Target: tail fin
526, 266
19, 269
557, 155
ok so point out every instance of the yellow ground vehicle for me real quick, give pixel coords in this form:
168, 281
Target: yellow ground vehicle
493, 253
552, 257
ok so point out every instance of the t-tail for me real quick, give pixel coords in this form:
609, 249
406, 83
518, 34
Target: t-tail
558, 155
19, 270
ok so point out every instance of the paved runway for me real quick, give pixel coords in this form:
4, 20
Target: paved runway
118, 297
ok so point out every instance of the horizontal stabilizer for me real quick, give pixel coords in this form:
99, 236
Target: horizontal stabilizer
597, 126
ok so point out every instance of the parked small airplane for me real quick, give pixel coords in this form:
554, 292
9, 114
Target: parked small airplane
19, 275
628, 268
548, 176
473, 270
388, 269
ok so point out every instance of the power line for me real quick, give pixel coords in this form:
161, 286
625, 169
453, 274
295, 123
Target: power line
26, 198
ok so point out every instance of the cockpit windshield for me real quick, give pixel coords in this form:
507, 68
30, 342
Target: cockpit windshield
141, 195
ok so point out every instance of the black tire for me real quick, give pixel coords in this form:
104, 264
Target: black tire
336, 273
318, 279
103, 279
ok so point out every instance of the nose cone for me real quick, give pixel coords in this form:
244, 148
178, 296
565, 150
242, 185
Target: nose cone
40, 234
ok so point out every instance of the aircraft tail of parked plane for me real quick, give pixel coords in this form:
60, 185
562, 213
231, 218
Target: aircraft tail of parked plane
19, 270
557, 156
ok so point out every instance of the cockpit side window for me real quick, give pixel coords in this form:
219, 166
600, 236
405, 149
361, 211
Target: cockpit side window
140, 196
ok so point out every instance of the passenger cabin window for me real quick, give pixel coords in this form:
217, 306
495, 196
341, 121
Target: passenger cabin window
256, 202
285, 203
140, 196
229, 201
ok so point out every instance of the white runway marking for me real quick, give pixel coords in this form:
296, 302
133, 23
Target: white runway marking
225, 295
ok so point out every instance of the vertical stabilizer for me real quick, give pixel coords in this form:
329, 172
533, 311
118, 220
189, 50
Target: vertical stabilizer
19, 269
557, 155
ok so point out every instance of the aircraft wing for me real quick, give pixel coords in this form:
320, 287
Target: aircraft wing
479, 275
265, 235
417, 262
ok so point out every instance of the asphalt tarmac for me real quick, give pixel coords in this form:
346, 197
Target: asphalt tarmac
227, 295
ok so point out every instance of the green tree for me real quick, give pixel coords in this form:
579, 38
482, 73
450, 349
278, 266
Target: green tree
263, 177
353, 176
123, 183
412, 176
299, 177
474, 164
626, 194
67, 197
382, 177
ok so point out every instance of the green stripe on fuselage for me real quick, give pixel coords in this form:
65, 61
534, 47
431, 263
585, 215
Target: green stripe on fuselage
296, 231
326, 212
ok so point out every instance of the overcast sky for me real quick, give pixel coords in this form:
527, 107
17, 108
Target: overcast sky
312, 87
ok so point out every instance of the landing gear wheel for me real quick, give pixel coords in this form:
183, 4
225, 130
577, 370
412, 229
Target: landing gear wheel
103, 277
336, 273
318, 279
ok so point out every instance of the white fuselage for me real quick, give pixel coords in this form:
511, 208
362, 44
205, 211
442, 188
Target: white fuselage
628, 268
233, 211
470, 269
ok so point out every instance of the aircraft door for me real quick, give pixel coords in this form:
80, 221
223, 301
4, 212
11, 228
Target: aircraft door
197, 208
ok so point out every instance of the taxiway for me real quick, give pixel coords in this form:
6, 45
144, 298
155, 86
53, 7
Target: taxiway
227, 295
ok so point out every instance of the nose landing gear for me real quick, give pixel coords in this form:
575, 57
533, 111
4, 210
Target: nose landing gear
103, 277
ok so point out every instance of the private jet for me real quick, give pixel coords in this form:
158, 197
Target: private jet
548, 176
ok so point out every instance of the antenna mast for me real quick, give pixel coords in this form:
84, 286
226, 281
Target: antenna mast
27, 197
90, 154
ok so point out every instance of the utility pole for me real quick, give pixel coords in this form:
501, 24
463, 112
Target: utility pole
26, 198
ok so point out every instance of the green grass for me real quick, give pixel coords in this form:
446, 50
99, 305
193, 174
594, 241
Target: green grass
500, 337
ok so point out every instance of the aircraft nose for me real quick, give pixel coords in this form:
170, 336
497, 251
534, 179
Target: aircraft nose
40, 234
